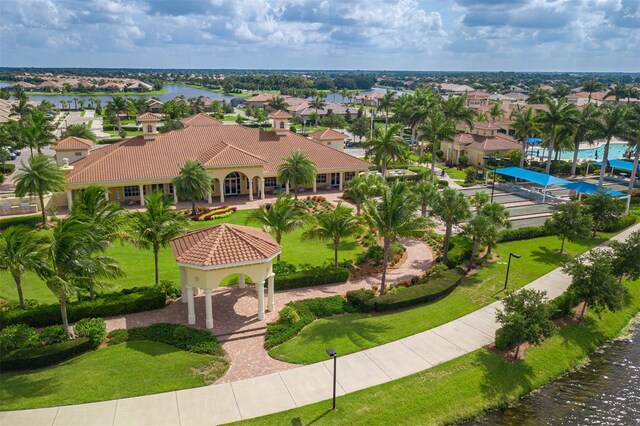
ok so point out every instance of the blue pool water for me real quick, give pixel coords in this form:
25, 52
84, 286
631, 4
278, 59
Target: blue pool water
616, 151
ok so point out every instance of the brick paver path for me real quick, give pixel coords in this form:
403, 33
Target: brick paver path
235, 319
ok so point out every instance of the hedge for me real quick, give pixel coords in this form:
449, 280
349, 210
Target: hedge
8, 168
525, 233
620, 224
460, 249
31, 221
42, 356
311, 277
145, 299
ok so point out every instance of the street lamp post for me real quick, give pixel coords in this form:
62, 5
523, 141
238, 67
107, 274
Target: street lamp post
493, 184
506, 278
334, 355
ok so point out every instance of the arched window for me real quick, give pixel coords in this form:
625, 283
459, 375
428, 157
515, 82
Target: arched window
282, 124
149, 128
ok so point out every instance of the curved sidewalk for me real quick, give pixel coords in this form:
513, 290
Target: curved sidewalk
245, 399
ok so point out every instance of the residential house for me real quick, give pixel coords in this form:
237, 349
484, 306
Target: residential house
483, 140
329, 137
71, 149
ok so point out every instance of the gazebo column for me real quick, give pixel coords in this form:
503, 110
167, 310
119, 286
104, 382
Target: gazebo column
270, 288
315, 185
260, 291
191, 318
175, 196
341, 185
183, 284
141, 189
221, 181
208, 307
250, 188
241, 282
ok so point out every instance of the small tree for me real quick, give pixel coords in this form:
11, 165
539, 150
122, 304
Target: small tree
193, 182
626, 257
569, 222
592, 281
297, 169
427, 195
39, 176
603, 208
362, 188
525, 317
482, 231
452, 207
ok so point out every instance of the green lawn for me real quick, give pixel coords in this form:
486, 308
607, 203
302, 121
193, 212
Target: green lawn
456, 174
138, 264
465, 387
121, 371
353, 332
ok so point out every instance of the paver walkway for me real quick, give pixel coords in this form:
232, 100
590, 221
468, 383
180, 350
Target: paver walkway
244, 399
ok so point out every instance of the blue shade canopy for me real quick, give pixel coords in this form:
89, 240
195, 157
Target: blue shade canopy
590, 188
534, 141
531, 176
618, 164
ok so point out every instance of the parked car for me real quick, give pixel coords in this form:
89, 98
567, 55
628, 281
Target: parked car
10, 155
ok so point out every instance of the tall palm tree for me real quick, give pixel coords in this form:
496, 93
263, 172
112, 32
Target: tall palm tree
632, 136
385, 103
192, 182
526, 126
38, 130
618, 91
560, 115
592, 85
538, 96
393, 217
297, 169
277, 103
334, 225
79, 130
455, 109
584, 131
386, 145
423, 101
479, 199
498, 215
452, 207
108, 218
118, 105
39, 176
496, 111
317, 103
156, 226
362, 188
482, 231
426, 194
21, 250
278, 218
612, 123
437, 128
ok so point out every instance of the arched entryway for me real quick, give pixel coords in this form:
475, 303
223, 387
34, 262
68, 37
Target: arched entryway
232, 184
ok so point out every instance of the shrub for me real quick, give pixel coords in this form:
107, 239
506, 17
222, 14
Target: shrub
619, 224
524, 233
362, 300
118, 336
17, 336
563, 305
169, 288
30, 221
460, 249
283, 268
135, 300
53, 334
443, 183
42, 356
94, 329
315, 276
504, 340
289, 315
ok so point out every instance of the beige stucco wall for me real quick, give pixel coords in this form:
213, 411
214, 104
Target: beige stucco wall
212, 278
70, 154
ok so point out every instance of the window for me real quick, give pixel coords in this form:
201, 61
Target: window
349, 175
78, 154
335, 179
149, 128
170, 189
269, 182
321, 178
282, 124
157, 187
132, 191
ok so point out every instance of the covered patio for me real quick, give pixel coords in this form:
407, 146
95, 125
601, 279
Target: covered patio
536, 178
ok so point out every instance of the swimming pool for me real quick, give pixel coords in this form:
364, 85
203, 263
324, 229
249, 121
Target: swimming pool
616, 151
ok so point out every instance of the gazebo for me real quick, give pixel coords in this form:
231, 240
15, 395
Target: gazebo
209, 255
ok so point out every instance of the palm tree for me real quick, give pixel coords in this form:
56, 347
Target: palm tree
452, 207
80, 131
192, 182
317, 103
23, 108
538, 96
386, 145
479, 199
278, 218
40, 175
592, 85
561, 115
119, 105
632, 136
423, 102
482, 231
334, 225
38, 130
393, 217
155, 227
297, 170
362, 188
498, 215
426, 194
437, 128
496, 111
612, 123
22, 250
526, 126
385, 103
277, 103
584, 131
455, 109
618, 91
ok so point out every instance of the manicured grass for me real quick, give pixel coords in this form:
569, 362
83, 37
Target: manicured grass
124, 370
467, 386
353, 332
456, 174
138, 264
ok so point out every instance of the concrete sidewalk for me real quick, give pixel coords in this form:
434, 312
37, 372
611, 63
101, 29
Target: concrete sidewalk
300, 386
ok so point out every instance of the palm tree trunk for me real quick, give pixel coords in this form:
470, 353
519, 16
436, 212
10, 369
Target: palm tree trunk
336, 244
636, 158
552, 142
17, 279
385, 261
92, 293
523, 154
433, 164
386, 120
474, 252
63, 313
574, 163
193, 206
278, 239
384, 167
44, 215
605, 159
423, 209
155, 261
447, 237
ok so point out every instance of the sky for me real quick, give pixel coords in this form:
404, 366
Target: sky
426, 35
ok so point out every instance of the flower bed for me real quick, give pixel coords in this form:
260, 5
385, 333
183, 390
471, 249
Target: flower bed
215, 213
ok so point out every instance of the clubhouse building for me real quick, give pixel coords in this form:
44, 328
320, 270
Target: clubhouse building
241, 161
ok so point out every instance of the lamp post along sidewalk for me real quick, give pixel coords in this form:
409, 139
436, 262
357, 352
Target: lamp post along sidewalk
334, 355
506, 278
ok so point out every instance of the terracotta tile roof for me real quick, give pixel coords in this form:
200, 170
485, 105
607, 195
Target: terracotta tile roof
200, 120
498, 142
478, 94
72, 142
224, 244
232, 145
327, 134
148, 116
280, 114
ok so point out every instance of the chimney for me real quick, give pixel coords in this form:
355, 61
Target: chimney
280, 122
149, 124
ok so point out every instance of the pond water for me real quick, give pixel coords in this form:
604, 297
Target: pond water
604, 392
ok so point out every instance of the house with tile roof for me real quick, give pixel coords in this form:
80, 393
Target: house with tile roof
329, 137
71, 149
483, 140
241, 161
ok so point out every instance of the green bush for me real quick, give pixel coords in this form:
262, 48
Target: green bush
30, 221
460, 249
619, 224
435, 288
94, 329
283, 268
17, 336
8, 168
524, 233
443, 183
563, 305
169, 288
363, 300
503, 339
113, 304
289, 315
315, 276
42, 356
53, 334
